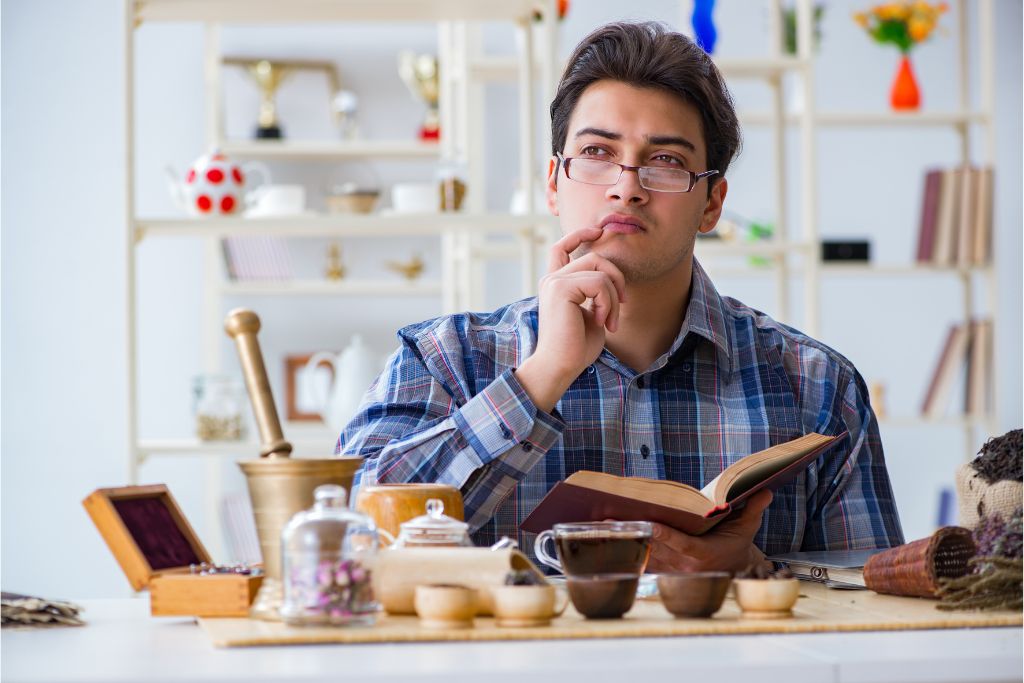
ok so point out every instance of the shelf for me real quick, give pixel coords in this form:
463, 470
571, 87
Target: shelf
306, 448
507, 68
275, 11
760, 68
340, 288
716, 248
918, 421
899, 270
342, 225
853, 119
330, 150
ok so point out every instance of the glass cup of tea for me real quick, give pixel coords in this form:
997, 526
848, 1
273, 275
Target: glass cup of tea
587, 548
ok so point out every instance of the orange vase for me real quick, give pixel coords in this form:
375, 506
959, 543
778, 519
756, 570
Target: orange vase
905, 95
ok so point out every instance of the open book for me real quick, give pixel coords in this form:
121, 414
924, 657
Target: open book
593, 496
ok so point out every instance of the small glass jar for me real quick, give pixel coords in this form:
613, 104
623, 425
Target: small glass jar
328, 555
218, 408
434, 529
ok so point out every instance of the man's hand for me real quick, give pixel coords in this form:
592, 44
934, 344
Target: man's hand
571, 333
727, 547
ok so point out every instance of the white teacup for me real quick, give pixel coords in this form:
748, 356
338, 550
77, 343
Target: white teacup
279, 200
416, 198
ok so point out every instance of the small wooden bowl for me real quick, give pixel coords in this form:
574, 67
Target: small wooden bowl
695, 594
766, 598
523, 606
445, 606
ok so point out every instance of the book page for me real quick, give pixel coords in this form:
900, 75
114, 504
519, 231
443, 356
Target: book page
658, 491
745, 474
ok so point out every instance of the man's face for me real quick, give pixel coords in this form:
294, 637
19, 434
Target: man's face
649, 235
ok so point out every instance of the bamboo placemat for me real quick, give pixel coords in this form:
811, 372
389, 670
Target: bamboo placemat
819, 609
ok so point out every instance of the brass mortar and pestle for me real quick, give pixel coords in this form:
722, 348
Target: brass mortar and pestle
279, 485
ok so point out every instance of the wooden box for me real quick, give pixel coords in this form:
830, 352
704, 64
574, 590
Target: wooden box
155, 546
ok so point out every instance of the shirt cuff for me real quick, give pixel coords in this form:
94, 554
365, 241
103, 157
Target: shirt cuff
503, 416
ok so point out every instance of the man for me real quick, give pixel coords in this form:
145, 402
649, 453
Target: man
628, 361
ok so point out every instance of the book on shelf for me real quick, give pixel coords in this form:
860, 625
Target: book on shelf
978, 399
966, 355
955, 227
594, 496
261, 257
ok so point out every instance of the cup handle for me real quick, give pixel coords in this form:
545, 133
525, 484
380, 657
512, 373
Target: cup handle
387, 535
311, 365
561, 600
253, 196
542, 555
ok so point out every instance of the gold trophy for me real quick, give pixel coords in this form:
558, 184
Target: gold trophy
420, 74
269, 74
279, 485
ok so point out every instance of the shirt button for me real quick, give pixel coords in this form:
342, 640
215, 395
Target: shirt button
590, 369
687, 367
527, 447
505, 432
640, 382
644, 451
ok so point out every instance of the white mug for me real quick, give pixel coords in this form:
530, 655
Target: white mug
416, 197
279, 200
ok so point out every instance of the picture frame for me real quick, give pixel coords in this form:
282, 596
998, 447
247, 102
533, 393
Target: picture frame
297, 389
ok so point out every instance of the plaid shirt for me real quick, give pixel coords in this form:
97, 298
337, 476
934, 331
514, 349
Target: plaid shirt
448, 409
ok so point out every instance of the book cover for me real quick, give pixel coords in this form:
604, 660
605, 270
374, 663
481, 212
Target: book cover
951, 362
567, 502
965, 224
982, 248
977, 397
944, 253
929, 213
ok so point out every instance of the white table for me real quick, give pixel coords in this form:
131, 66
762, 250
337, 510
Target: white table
123, 643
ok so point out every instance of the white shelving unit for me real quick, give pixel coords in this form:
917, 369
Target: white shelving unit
464, 237
809, 122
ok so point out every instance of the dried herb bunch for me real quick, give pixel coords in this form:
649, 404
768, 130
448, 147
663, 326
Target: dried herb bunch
995, 577
1000, 458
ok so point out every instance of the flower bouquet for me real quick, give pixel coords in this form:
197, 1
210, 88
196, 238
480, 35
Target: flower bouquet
904, 24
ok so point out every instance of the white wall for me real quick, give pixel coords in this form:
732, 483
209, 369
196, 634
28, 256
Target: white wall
63, 316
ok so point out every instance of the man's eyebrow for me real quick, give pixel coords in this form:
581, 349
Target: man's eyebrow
600, 132
651, 139
671, 140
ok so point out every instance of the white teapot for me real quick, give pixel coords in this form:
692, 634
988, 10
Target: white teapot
216, 186
355, 368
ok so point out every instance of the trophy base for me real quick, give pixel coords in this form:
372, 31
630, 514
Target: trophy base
269, 133
268, 602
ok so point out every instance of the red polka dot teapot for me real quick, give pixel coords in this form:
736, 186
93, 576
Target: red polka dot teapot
216, 186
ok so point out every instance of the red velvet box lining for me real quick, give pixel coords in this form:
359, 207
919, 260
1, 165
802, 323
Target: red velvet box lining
156, 532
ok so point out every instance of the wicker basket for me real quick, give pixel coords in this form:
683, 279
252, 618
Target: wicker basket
914, 569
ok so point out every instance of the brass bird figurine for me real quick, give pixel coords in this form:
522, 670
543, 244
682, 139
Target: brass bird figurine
411, 269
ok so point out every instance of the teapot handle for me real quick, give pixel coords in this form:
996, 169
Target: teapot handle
174, 185
259, 188
387, 535
311, 365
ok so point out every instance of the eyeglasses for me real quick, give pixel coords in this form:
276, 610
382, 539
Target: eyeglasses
656, 178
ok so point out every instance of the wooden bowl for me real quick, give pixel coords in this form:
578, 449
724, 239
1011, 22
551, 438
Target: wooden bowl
519, 606
443, 606
602, 596
766, 598
391, 504
694, 594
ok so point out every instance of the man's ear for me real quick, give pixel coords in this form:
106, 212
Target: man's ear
713, 209
551, 189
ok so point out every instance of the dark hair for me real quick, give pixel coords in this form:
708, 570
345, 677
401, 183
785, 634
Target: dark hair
649, 55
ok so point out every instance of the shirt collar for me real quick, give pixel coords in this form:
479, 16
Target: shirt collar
705, 317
